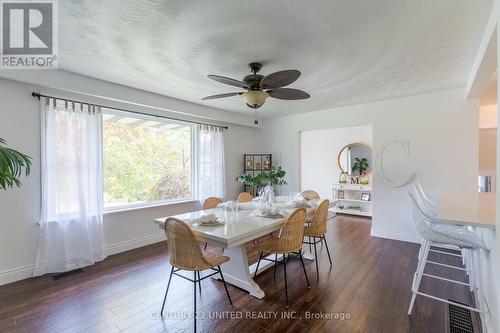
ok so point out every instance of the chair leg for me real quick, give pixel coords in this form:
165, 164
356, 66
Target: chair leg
285, 259
423, 246
199, 281
166, 292
327, 250
418, 276
194, 296
316, 258
304, 268
421, 249
205, 247
257, 268
310, 245
225, 286
275, 264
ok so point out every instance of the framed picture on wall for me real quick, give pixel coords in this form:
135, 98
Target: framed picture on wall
365, 196
340, 194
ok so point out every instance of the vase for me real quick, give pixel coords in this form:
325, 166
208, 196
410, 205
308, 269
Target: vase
268, 193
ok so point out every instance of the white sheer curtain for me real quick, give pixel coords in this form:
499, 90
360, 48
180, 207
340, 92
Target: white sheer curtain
211, 172
71, 231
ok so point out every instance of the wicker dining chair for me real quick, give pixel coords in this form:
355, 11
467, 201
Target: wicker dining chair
186, 254
310, 195
245, 197
211, 202
317, 230
289, 241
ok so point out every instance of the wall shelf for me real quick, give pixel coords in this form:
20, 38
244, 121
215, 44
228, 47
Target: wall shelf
352, 197
254, 164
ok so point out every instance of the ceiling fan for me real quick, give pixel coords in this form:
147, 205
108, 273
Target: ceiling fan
260, 87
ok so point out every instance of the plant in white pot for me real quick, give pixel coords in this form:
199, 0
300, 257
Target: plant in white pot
275, 177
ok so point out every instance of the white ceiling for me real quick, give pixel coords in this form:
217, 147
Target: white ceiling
349, 51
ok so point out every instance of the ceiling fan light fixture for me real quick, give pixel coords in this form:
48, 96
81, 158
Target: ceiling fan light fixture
255, 98
259, 87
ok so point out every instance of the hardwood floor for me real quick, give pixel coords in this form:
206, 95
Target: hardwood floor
369, 282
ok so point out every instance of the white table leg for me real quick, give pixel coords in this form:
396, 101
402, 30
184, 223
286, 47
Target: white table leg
265, 264
237, 273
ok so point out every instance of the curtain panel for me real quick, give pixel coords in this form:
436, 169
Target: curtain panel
211, 171
71, 224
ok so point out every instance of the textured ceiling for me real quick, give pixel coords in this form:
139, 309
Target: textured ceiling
349, 51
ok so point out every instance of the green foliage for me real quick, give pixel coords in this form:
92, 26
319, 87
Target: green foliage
275, 176
12, 164
249, 180
360, 164
145, 163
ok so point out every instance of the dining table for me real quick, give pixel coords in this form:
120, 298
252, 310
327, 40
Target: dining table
240, 226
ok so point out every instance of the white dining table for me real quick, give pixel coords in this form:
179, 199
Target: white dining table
240, 227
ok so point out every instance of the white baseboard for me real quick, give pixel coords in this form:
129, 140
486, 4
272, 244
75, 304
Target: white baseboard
16, 274
24, 272
134, 243
396, 235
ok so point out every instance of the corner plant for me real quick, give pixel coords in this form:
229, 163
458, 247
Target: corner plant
12, 164
360, 164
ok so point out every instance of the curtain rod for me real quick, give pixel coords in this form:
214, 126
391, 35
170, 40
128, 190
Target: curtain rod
38, 95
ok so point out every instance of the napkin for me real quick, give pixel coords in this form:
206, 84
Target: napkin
266, 212
299, 201
205, 218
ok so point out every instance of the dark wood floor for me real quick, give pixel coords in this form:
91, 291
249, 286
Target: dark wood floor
369, 282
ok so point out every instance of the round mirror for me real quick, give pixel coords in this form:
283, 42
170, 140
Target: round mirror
355, 159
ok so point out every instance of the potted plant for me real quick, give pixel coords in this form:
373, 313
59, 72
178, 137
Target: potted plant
275, 177
360, 164
12, 164
248, 179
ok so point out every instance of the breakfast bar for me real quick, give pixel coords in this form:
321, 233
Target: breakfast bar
477, 210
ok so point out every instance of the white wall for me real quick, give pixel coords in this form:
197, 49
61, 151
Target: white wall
487, 149
319, 150
19, 208
485, 64
97, 91
488, 116
441, 128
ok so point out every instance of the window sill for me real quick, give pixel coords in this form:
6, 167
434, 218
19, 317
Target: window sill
122, 209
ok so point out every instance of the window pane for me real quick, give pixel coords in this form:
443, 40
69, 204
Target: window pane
145, 160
